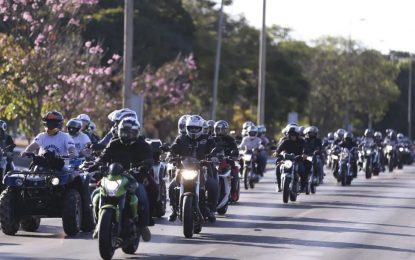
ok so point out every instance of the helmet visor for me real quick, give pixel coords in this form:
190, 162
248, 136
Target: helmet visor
194, 129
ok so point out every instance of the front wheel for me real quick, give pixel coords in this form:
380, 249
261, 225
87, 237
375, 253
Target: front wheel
30, 224
161, 204
246, 178
286, 190
187, 216
72, 212
106, 247
368, 170
390, 164
223, 210
9, 220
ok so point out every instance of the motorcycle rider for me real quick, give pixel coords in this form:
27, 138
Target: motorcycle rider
228, 144
378, 138
195, 144
80, 139
130, 149
211, 126
294, 144
313, 146
86, 120
6, 141
181, 124
348, 143
253, 142
53, 139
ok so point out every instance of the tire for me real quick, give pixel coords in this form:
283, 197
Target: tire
313, 188
106, 249
376, 171
238, 190
293, 196
131, 248
223, 210
251, 184
187, 216
246, 181
390, 165
286, 190
161, 205
30, 223
88, 223
349, 180
72, 212
197, 229
9, 222
400, 165
368, 172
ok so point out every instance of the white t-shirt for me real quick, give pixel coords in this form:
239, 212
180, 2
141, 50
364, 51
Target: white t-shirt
249, 143
60, 143
80, 141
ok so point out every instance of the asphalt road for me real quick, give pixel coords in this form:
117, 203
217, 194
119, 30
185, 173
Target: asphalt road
372, 219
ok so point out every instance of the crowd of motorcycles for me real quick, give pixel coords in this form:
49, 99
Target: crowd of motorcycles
44, 191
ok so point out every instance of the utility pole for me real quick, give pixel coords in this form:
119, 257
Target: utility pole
217, 63
128, 52
262, 69
410, 98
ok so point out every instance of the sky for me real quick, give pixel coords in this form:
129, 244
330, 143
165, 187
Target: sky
378, 24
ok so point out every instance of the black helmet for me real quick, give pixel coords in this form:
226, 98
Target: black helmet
3, 126
378, 135
211, 126
53, 121
311, 131
221, 128
368, 133
74, 126
128, 130
115, 169
292, 130
330, 136
348, 136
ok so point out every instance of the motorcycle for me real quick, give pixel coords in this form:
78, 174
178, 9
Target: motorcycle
346, 166
390, 156
249, 169
335, 160
116, 226
316, 175
289, 177
188, 179
367, 158
5, 157
377, 161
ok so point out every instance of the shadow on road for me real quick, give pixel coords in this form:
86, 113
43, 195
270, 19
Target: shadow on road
174, 257
365, 196
310, 205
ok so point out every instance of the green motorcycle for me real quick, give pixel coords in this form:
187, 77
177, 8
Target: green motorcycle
116, 209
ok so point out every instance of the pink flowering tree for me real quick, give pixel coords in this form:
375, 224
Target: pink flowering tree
46, 65
166, 92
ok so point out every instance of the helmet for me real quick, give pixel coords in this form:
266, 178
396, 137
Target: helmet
221, 128
368, 133
194, 126
311, 131
348, 136
252, 130
3, 126
53, 121
74, 126
378, 135
85, 120
301, 130
392, 134
400, 136
262, 129
124, 113
128, 130
92, 127
205, 128
245, 127
287, 128
211, 125
112, 116
330, 136
339, 134
181, 124
292, 130
115, 169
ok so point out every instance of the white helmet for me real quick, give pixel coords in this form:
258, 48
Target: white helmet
252, 130
181, 124
194, 126
245, 127
128, 130
124, 113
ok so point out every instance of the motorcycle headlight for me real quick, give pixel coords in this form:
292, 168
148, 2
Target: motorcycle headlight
189, 174
18, 182
247, 157
388, 148
111, 187
55, 181
368, 151
335, 157
288, 164
400, 149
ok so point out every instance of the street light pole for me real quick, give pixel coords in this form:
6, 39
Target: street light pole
410, 98
128, 52
217, 63
262, 70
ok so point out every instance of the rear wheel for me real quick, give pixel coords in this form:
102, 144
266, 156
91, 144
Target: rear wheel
72, 212
187, 216
30, 223
132, 247
106, 248
313, 188
223, 210
9, 220
161, 204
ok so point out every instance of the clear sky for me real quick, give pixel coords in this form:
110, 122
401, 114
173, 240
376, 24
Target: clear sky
379, 24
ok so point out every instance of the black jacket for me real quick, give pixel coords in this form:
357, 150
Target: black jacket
348, 144
134, 154
288, 146
311, 145
5, 141
227, 143
198, 148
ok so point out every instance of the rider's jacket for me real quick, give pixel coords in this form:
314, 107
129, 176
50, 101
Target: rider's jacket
6, 140
197, 148
250, 142
312, 145
288, 146
227, 143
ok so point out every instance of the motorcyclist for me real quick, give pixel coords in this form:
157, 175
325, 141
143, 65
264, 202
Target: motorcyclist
6, 144
80, 139
227, 143
262, 130
338, 136
211, 126
313, 147
253, 142
86, 120
378, 139
195, 144
53, 139
349, 143
131, 150
114, 119
292, 144
181, 124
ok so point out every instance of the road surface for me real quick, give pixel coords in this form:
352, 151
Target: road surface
372, 219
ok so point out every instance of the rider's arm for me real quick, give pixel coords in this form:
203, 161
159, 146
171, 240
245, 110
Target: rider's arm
31, 148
